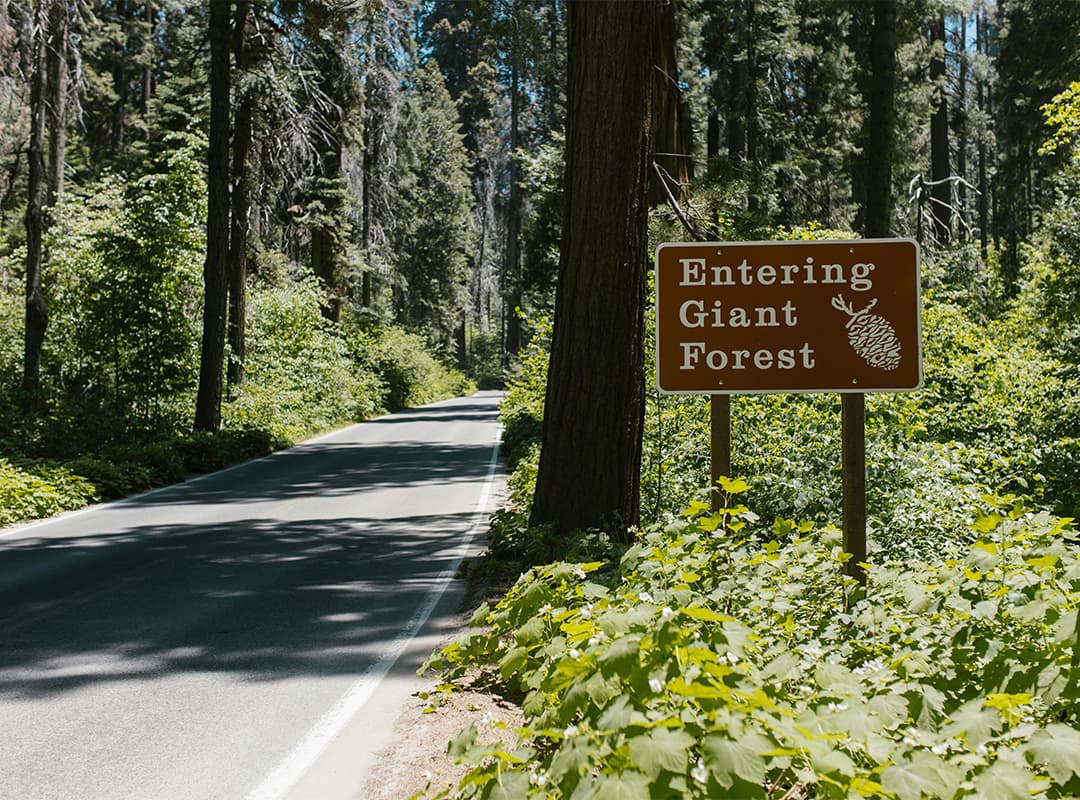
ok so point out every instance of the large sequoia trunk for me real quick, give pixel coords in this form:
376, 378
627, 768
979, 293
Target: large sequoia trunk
590, 462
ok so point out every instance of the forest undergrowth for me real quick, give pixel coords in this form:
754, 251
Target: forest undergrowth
728, 655
122, 355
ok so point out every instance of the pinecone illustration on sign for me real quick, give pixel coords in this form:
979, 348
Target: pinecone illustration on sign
870, 335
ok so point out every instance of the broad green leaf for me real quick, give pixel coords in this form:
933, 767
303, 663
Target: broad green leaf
617, 715
627, 785
462, 742
737, 486
704, 614
510, 785
532, 631
1067, 628
511, 663
988, 523
1005, 781
572, 759
726, 758
694, 508
1047, 561
1058, 747
578, 629
699, 690
622, 654
921, 774
827, 760
865, 787
661, 749
837, 678
973, 722
1009, 705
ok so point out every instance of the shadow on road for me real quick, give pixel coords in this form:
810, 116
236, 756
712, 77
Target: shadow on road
255, 598
268, 593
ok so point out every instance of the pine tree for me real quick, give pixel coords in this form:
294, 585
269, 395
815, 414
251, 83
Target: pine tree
433, 238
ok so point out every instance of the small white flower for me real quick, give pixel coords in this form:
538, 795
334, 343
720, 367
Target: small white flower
981, 751
941, 748
699, 773
837, 707
579, 573
645, 597
910, 741
656, 685
666, 613
538, 778
571, 730
546, 608
731, 658
573, 652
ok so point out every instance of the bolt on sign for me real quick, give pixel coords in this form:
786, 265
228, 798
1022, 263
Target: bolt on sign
836, 316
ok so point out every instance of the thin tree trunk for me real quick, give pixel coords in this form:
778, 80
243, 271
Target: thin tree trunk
240, 207
589, 473
512, 272
37, 318
671, 123
984, 184
57, 103
740, 79
882, 123
150, 17
960, 128
215, 268
120, 86
940, 191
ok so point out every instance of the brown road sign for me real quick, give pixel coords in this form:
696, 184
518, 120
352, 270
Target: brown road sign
837, 316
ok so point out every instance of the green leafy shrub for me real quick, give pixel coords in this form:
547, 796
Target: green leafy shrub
12, 313
205, 451
483, 362
713, 664
410, 374
39, 491
522, 410
300, 378
113, 479
125, 279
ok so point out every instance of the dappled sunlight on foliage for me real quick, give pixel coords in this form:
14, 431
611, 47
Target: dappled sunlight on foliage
714, 664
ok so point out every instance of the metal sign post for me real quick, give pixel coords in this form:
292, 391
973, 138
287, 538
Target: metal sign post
751, 317
719, 444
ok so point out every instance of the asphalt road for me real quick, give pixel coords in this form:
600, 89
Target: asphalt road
248, 635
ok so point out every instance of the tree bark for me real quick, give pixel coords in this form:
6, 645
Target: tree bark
671, 116
984, 184
512, 276
57, 103
960, 128
589, 472
215, 268
37, 317
940, 191
880, 146
240, 207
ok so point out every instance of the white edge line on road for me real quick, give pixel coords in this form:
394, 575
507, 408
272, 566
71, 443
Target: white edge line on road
19, 528
277, 784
